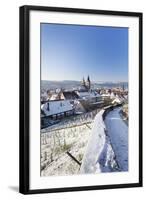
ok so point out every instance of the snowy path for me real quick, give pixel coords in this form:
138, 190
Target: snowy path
117, 131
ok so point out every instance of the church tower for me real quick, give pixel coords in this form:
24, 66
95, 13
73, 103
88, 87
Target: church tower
83, 82
88, 83
123, 88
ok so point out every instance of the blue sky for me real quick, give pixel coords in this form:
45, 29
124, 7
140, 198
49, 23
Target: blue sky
69, 52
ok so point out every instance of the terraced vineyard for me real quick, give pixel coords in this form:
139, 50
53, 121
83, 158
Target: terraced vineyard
69, 136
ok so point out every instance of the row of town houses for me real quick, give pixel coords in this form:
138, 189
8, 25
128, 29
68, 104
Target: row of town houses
62, 103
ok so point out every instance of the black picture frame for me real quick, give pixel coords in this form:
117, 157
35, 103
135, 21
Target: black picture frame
24, 123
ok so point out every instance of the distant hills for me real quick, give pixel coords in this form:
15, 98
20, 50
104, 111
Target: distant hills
70, 84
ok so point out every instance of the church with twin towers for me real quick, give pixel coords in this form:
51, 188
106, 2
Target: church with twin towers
86, 84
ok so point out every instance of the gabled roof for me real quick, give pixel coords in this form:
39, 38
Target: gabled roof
70, 95
56, 107
88, 94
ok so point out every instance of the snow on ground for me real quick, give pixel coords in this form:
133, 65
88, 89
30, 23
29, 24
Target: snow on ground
100, 146
73, 140
71, 135
118, 134
99, 155
95, 146
72, 121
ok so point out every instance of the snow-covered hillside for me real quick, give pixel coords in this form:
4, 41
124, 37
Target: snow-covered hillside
71, 135
99, 145
99, 155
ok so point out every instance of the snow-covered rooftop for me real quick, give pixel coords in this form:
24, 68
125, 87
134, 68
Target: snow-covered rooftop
56, 107
88, 94
56, 96
105, 95
116, 100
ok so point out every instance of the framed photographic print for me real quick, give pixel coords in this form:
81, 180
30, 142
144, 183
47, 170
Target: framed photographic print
80, 99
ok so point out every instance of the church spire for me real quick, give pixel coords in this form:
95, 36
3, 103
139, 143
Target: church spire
83, 82
88, 82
